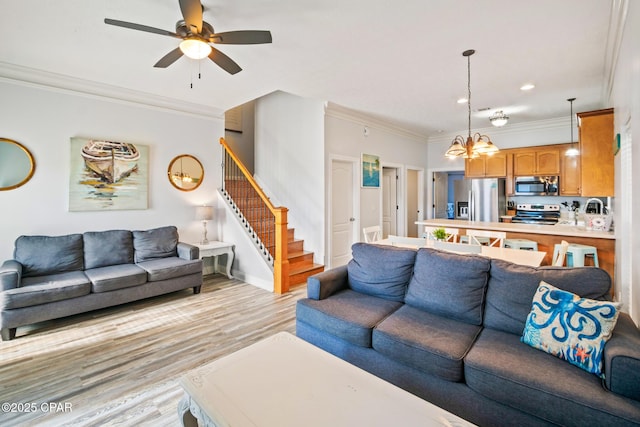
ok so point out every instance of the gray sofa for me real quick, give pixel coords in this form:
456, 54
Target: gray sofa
56, 276
447, 327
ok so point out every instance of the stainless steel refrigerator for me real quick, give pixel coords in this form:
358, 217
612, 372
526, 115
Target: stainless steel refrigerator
480, 199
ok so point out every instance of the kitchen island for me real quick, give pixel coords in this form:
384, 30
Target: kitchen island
547, 236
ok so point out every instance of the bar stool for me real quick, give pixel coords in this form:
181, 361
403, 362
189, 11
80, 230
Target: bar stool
525, 244
577, 253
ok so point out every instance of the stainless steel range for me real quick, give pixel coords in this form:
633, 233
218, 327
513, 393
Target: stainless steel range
537, 214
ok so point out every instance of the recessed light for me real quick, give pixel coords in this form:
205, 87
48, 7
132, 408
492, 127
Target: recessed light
527, 86
462, 101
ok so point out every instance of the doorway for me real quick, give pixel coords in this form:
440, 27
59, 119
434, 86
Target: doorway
415, 201
389, 201
342, 211
443, 193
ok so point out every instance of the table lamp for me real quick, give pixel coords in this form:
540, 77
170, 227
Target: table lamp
204, 214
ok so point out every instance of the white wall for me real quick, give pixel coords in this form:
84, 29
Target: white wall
289, 162
242, 142
625, 98
346, 137
45, 119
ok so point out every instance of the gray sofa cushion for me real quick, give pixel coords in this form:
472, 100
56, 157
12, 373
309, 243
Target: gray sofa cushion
511, 288
169, 268
103, 248
427, 342
503, 369
348, 315
43, 255
156, 243
449, 284
112, 277
380, 271
622, 359
45, 289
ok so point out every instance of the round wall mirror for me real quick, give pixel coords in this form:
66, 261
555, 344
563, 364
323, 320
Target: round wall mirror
185, 172
16, 164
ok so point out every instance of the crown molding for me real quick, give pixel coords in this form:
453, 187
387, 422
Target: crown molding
617, 20
512, 129
344, 113
17, 74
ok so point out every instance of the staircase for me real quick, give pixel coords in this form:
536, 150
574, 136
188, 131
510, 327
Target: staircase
301, 263
266, 225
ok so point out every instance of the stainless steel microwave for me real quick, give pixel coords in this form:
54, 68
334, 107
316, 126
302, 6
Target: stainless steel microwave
537, 185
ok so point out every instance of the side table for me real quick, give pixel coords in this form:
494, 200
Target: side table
215, 249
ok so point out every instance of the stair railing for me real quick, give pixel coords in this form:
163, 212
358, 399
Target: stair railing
266, 223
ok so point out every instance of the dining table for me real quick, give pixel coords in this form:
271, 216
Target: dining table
516, 256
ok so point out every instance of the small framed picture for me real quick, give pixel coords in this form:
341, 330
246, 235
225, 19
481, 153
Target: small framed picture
370, 170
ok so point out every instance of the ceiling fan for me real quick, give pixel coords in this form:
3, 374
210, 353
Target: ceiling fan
197, 37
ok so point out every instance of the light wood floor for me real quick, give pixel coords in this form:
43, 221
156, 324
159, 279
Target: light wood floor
121, 365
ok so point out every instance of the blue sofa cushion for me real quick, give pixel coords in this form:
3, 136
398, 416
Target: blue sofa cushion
569, 327
380, 271
449, 284
44, 255
348, 315
156, 243
45, 289
511, 288
112, 277
427, 342
103, 248
622, 359
169, 268
503, 369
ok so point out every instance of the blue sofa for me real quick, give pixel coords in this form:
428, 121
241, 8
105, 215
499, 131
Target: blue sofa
56, 276
447, 327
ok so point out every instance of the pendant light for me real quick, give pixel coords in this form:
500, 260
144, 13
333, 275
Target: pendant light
472, 147
573, 150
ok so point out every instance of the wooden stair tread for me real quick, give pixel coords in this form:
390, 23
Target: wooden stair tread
297, 269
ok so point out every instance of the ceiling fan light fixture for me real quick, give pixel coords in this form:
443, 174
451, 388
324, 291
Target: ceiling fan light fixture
499, 119
195, 48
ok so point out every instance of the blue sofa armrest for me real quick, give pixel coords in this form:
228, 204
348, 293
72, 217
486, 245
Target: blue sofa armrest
10, 275
187, 251
327, 283
622, 359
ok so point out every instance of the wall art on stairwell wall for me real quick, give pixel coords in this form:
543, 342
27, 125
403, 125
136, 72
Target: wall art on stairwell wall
108, 175
370, 170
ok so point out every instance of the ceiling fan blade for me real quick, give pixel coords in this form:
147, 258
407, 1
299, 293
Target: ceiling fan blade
224, 62
169, 58
192, 13
242, 37
139, 27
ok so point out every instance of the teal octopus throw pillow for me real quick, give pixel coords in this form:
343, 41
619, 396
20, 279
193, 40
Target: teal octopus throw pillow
572, 328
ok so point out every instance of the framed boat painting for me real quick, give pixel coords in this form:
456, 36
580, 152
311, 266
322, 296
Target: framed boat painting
370, 170
108, 175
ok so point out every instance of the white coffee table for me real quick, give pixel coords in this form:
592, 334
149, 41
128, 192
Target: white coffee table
214, 249
284, 381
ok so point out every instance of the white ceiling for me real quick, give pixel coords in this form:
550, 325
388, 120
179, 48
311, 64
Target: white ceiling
401, 61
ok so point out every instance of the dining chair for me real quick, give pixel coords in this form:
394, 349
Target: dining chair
496, 238
372, 234
452, 233
418, 242
457, 247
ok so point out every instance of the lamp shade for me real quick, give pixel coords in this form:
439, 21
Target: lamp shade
195, 49
204, 213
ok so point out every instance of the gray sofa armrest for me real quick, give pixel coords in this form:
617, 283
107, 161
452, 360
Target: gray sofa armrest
187, 251
10, 275
622, 359
323, 285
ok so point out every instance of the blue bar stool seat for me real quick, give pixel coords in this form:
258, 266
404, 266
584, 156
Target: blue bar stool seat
576, 254
526, 244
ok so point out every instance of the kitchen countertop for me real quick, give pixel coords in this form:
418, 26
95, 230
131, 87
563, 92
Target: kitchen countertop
510, 227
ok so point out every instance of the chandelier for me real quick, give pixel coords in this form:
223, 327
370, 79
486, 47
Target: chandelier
477, 144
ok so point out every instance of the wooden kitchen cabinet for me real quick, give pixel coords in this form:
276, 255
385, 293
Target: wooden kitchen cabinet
570, 178
596, 153
494, 166
541, 161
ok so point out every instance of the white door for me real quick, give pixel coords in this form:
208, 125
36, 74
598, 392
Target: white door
389, 201
414, 207
342, 212
440, 191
